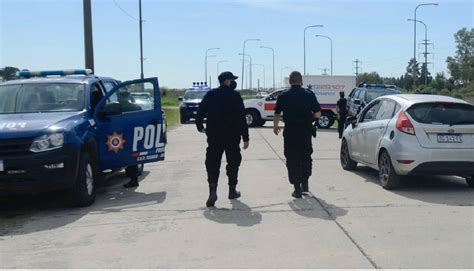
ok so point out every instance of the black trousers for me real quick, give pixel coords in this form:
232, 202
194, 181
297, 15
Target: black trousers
214, 153
298, 149
132, 172
341, 124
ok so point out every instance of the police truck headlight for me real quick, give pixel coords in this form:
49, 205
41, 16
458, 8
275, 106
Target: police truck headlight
47, 142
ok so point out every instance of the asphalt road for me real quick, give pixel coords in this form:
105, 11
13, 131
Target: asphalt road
349, 221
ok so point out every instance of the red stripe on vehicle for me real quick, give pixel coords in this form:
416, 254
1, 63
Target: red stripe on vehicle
269, 107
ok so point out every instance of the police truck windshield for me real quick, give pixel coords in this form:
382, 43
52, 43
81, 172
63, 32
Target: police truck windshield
35, 98
191, 95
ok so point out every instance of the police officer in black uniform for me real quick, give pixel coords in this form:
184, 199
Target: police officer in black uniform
341, 109
300, 108
224, 111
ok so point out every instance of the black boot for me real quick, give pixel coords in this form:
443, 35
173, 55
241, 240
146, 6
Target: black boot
304, 186
132, 183
233, 193
297, 193
212, 195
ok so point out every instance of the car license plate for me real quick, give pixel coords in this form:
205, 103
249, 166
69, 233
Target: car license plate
1, 166
449, 138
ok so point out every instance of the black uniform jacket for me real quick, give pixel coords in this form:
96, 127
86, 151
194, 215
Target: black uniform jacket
224, 111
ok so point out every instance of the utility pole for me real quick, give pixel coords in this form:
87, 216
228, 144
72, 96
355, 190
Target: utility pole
357, 62
88, 43
426, 53
414, 40
141, 38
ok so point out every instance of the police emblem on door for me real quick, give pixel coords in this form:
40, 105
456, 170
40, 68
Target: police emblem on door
115, 142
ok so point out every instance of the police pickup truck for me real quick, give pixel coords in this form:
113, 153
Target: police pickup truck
59, 130
191, 100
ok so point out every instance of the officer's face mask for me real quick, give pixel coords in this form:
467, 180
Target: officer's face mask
233, 85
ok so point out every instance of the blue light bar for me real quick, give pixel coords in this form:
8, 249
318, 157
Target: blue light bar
29, 74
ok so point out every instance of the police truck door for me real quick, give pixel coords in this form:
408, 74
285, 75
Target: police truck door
130, 125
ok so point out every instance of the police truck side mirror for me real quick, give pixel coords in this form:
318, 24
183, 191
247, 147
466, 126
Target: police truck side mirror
357, 102
180, 98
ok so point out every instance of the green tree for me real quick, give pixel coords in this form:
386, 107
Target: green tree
424, 71
413, 67
439, 82
369, 78
8, 73
461, 66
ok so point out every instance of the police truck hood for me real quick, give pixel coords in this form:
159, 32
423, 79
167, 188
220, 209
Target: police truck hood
33, 124
193, 101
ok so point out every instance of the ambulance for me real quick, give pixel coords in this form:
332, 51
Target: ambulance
61, 130
325, 87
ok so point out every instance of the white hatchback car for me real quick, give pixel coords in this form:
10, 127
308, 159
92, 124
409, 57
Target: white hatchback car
411, 134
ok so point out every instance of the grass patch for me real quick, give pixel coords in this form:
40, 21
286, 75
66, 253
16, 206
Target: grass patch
170, 101
172, 116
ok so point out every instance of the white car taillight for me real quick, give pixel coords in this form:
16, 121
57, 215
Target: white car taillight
404, 124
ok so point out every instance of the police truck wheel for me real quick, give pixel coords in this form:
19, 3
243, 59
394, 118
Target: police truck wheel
470, 181
252, 117
83, 193
261, 123
325, 121
346, 162
389, 179
183, 120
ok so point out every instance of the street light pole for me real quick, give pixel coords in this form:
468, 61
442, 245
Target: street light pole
141, 38
426, 49
304, 44
414, 40
273, 65
263, 66
88, 41
205, 62
331, 47
250, 68
218, 64
243, 53
281, 75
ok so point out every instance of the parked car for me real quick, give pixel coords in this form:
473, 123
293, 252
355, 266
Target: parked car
411, 134
261, 95
143, 99
365, 93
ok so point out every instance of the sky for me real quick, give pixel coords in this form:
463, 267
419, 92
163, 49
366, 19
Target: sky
48, 34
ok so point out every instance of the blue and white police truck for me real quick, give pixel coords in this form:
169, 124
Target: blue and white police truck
60, 130
191, 100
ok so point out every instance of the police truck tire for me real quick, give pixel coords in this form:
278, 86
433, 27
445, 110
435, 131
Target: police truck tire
326, 120
83, 192
183, 120
261, 123
470, 181
252, 117
388, 178
346, 161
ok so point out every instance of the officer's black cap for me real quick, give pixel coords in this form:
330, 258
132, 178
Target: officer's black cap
226, 75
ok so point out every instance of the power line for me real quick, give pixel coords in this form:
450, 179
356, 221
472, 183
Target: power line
124, 11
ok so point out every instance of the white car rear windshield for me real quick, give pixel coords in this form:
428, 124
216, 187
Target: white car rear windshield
442, 113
